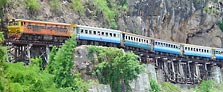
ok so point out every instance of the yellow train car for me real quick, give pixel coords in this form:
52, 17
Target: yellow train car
39, 30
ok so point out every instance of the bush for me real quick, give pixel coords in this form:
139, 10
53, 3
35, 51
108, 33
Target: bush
3, 2
116, 67
154, 87
33, 6
169, 87
77, 6
209, 86
56, 6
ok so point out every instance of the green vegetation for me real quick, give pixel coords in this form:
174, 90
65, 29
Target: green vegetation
154, 87
220, 25
109, 13
33, 6
209, 86
169, 87
110, 10
2, 4
63, 63
56, 6
15, 77
78, 7
50, 67
116, 67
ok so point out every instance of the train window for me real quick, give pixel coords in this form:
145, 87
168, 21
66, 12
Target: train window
94, 32
132, 38
22, 23
126, 37
102, 33
90, 32
202, 50
147, 41
207, 51
129, 37
106, 33
137, 39
110, 34
99, 33
86, 31
82, 31
114, 35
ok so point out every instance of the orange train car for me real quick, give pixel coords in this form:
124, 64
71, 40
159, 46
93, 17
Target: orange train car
22, 29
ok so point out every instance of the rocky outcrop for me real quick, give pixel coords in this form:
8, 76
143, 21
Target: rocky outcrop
185, 21
83, 64
99, 88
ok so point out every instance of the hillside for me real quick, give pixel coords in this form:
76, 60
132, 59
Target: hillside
194, 22
84, 68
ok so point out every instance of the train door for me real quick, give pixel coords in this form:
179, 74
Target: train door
151, 45
122, 39
181, 49
213, 53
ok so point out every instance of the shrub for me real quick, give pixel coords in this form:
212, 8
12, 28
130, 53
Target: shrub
77, 6
116, 67
209, 86
33, 6
56, 6
154, 87
169, 87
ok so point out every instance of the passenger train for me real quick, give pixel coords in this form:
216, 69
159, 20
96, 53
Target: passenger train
19, 28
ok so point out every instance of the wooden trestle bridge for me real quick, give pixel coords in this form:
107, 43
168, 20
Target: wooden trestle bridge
171, 68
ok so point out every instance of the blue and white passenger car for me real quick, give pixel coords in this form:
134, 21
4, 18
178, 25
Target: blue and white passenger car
98, 34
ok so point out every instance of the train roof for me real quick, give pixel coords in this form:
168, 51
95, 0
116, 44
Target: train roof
99, 28
42, 22
196, 45
138, 35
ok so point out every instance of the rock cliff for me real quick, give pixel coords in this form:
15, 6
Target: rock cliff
185, 21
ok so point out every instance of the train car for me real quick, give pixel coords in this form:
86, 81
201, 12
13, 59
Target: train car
167, 47
38, 30
218, 53
198, 51
137, 41
98, 34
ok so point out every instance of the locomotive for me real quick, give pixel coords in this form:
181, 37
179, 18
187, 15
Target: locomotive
20, 29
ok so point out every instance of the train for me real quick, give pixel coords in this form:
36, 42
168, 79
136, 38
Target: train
21, 29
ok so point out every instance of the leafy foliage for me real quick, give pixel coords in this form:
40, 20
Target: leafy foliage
50, 67
28, 78
209, 86
154, 87
3, 2
169, 87
220, 25
56, 6
61, 65
15, 77
116, 67
33, 6
77, 6
64, 64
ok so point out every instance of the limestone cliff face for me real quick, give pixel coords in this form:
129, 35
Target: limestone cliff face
185, 21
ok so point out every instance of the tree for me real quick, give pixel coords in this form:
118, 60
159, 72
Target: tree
51, 66
117, 67
64, 64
